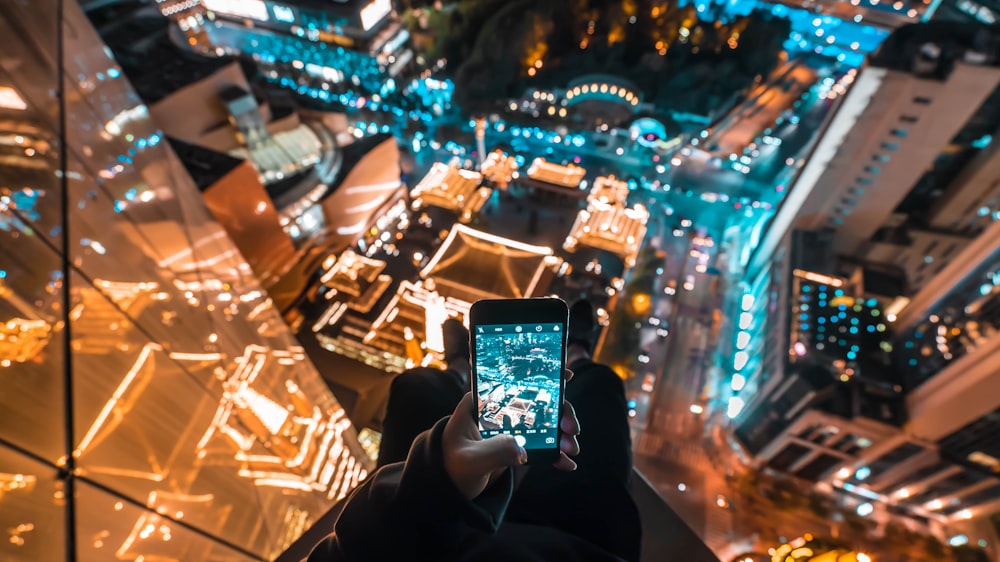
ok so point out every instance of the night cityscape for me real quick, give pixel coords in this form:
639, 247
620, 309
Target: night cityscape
518, 378
226, 226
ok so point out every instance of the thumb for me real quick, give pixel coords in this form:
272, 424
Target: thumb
501, 451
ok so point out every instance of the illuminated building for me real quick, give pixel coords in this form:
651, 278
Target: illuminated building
602, 99
451, 188
608, 190
615, 228
499, 168
921, 242
556, 176
121, 416
365, 26
472, 265
468, 266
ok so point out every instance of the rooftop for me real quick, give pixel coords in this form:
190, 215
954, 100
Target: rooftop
931, 49
205, 166
472, 265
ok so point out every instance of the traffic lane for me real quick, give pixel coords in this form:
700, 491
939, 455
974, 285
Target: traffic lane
762, 112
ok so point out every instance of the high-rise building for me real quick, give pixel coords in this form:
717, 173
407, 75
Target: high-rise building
901, 190
154, 405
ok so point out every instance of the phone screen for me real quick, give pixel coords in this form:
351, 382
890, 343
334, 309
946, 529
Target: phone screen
519, 381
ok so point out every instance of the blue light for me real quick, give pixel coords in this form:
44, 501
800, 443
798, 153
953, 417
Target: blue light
862, 473
130, 194
114, 73
119, 206
983, 141
854, 329
3, 274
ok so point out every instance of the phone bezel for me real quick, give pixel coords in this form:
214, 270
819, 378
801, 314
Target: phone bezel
522, 311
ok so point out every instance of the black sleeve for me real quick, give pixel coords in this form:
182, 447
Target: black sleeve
412, 511
598, 396
418, 398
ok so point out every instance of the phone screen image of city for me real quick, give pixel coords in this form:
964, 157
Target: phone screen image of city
518, 375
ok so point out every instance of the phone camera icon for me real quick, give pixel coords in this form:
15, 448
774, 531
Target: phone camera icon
538, 328
517, 329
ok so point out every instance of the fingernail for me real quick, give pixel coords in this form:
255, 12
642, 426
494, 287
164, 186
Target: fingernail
522, 455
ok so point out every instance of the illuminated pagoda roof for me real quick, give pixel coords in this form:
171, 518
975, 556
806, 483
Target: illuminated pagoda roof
402, 325
451, 188
609, 190
614, 228
549, 173
356, 276
499, 168
472, 265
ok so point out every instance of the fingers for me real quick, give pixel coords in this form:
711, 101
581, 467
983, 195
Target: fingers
565, 463
569, 423
568, 444
501, 452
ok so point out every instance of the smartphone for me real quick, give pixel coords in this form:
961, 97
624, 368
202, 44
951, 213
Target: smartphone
518, 363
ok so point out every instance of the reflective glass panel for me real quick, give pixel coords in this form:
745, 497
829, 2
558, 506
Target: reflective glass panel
32, 508
110, 528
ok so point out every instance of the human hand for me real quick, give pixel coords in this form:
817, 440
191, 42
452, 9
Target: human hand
473, 462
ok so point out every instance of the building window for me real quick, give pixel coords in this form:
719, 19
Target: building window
908, 119
873, 170
902, 133
880, 158
922, 100
890, 146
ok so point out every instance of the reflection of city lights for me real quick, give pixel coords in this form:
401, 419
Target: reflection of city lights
10, 99
116, 397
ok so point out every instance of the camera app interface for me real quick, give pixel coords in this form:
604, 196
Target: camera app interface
518, 370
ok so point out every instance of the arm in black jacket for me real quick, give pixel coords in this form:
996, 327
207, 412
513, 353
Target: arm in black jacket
412, 511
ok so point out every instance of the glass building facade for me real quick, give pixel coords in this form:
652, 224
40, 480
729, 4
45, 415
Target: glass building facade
154, 405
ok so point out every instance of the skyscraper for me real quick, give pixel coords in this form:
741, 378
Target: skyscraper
901, 192
154, 402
